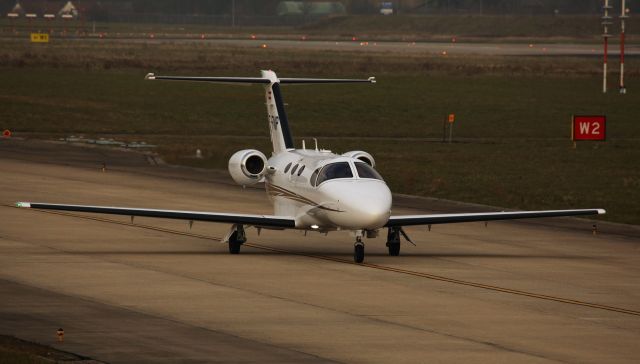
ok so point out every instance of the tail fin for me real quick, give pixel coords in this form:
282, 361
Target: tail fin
278, 123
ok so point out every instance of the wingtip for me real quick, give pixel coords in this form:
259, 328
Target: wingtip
372, 79
23, 204
602, 211
150, 76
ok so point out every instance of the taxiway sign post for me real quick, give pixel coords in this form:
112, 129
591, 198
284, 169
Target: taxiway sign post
451, 119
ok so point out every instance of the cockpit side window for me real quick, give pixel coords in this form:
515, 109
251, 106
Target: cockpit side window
314, 177
333, 171
366, 171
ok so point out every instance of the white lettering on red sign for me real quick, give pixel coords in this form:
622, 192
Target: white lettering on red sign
589, 127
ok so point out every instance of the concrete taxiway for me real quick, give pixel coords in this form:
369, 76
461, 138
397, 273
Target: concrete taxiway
157, 291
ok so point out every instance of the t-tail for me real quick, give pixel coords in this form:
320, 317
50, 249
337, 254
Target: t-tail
278, 123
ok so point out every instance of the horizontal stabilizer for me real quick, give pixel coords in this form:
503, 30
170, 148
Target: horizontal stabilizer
258, 80
151, 76
325, 80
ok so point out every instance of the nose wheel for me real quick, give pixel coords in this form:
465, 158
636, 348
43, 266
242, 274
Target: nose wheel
358, 251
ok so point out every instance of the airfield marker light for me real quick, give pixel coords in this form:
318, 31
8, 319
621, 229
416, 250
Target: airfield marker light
354, 39
60, 335
530, 45
6, 133
263, 46
253, 36
201, 36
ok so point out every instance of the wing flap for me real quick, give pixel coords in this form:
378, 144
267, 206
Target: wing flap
255, 220
485, 216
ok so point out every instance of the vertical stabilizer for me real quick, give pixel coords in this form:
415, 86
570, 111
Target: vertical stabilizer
281, 138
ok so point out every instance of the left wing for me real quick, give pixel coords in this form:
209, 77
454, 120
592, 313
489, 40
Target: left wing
407, 220
282, 222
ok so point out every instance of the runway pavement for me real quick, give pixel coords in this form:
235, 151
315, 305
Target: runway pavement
409, 47
157, 291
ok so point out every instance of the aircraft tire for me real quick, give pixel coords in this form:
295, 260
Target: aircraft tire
234, 247
394, 250
358, 253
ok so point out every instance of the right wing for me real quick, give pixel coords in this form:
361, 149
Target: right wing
407, 220
280, 222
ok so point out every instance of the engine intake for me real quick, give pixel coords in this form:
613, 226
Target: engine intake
363, 156
247, 167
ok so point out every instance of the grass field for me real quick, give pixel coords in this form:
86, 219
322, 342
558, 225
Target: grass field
511, 138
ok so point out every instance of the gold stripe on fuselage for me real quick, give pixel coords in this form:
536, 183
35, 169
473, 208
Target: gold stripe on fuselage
277, 191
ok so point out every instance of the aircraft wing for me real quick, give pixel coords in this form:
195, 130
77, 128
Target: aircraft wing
433, 219
255, 220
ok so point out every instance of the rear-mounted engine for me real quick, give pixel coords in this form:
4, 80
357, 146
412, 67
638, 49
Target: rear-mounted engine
247, 167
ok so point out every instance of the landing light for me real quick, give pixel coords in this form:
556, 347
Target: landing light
315, 227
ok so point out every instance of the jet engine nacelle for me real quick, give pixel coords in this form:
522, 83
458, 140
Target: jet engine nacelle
363, 156
247, 167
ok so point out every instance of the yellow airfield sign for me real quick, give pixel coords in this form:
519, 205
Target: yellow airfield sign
39, 38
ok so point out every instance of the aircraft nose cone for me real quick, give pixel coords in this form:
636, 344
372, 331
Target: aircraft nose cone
362, 204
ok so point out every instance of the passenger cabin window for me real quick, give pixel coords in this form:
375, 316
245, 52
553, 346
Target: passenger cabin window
333, 171
366, 171
286, 169
293, 171
300, 171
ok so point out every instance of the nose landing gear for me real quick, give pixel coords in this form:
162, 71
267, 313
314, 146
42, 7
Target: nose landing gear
358, 250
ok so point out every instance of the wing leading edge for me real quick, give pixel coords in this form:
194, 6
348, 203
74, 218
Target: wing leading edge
433, 219
282, 222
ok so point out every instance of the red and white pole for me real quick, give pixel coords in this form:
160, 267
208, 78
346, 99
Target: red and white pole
606, 21
623, 16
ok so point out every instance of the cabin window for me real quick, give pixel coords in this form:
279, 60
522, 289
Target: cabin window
333, 171
366, 171
300, 171
286, 169
293, 171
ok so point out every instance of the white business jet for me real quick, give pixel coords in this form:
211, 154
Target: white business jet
311, 189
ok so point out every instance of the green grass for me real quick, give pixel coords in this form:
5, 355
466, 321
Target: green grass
512, 130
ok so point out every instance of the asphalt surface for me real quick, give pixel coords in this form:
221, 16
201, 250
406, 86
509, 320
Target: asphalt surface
410, 47
157, 291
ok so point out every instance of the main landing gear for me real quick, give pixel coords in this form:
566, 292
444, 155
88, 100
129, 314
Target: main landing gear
236, 239
358, 250
393, 241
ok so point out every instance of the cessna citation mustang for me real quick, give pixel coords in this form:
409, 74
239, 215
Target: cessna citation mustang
311, 189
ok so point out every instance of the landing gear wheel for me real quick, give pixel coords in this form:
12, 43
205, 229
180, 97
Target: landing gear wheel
358, 252
237, 238
393, 241
234, 247
394, 249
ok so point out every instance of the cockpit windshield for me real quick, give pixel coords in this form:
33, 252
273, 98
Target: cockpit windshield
333, 171
366, 171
